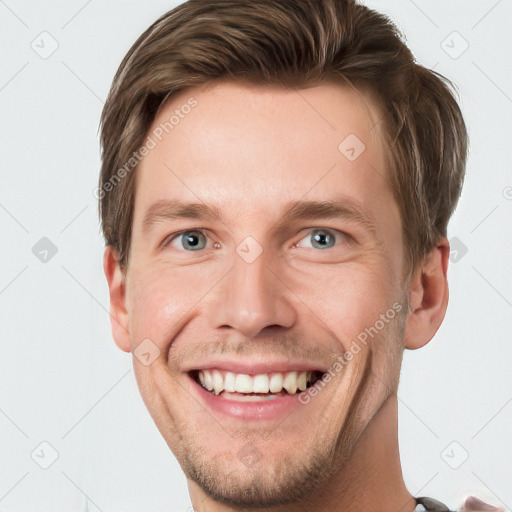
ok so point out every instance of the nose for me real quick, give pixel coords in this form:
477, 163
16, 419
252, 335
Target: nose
252, 299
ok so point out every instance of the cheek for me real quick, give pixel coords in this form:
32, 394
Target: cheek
160, 299
346, 299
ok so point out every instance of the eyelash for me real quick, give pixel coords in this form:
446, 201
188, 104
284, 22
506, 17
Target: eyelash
337, 235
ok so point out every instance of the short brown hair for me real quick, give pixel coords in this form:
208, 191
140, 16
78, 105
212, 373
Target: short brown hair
291, 43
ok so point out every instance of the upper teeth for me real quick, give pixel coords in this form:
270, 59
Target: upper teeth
218, 381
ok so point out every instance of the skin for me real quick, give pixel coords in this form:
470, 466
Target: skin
250, 151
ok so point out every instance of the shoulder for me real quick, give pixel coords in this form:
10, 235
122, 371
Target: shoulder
474, 503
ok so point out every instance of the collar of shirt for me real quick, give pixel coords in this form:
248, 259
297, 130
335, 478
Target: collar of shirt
471, 503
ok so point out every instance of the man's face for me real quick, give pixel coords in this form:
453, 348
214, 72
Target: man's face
254, 291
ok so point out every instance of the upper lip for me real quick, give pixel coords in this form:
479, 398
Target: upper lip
256, 366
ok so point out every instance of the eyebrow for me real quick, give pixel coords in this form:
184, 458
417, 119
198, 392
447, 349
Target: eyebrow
344, 208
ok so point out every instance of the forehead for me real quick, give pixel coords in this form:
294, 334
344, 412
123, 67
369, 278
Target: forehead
249, 149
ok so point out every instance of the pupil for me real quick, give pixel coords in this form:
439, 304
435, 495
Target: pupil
322, 238
192, 241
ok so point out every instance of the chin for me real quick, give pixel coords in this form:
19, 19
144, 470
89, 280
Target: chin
263, 484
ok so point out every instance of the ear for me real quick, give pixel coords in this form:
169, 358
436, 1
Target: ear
117, 290
428, 297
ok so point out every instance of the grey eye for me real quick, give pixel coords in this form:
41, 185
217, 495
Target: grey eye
193, 240
322, 239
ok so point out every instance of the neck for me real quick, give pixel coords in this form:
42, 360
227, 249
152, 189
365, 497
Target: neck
371, 480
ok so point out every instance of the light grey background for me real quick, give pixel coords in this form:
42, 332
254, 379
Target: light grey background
63, 380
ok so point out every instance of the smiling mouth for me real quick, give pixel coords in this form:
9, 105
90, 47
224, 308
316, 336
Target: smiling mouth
236, 386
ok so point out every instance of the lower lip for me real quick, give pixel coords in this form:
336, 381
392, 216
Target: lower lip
265, 409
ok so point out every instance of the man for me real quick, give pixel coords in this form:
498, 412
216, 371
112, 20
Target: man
277, 178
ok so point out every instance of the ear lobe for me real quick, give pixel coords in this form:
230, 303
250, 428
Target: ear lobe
428, 297
117, 290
